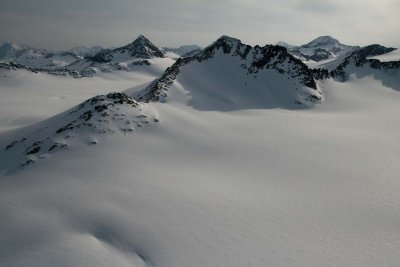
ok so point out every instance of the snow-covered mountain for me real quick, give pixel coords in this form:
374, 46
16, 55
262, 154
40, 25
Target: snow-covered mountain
12, 50
284, 44
358, 62
141, 47
362, 62
34, 58
84, 51
43, 61
182, 51
321, 48
141, 52
112, 113
231, 75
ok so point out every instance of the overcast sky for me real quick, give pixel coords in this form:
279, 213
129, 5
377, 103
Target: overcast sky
62, 24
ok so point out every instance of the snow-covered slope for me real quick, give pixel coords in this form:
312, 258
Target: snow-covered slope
104, 114
229, 75
39, 95
213, 176
264, 187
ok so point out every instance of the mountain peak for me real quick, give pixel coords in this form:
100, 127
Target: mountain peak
228, 40
284, 44
323, 40
141, 39
141, 47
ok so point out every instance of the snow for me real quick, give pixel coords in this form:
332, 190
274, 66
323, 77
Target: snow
265, 89
180, 51
85, 51
28, 97
323, 49
206, 187
36, 59
391, 56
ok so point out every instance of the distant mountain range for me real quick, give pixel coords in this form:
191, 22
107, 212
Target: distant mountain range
324, 56
84, 61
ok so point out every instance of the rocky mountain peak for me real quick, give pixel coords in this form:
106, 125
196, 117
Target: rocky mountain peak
141, 47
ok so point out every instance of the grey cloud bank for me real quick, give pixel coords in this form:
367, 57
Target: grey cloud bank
63, 24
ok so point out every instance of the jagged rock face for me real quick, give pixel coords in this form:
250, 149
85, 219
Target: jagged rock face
104, 114
103, 56
252, 61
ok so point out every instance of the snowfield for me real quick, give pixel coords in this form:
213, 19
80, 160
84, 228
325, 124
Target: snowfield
244, 185
28, 97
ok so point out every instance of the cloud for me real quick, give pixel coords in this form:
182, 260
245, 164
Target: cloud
317, 6
63, 24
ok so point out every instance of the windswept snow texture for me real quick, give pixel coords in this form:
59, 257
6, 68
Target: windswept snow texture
229, 75
259, 187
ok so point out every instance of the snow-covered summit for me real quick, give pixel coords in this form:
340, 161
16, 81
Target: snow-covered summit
323, 41
320, 49
141, 47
